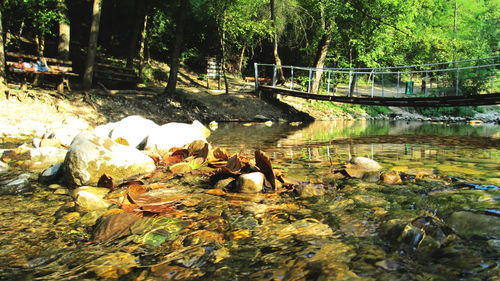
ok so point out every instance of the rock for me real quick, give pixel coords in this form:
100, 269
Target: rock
90, 156
50, 143
114, 265
134, 130
63, 135
51, 174
91, 198
104, 131
311, 190
3, 167
250, 183
36, 142
365, 164
176, 135
391, 178
260, 117
469, 224
19, 185
362, 167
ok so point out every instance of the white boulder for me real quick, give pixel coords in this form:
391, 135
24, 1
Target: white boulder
176, 135
134, 130
91, 156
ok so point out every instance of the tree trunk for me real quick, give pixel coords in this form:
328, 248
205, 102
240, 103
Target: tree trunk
142, 50
179, 36
242, 57
92, 49
140, 14
277, 60
2, 55
64, 32
223, 47
323, 45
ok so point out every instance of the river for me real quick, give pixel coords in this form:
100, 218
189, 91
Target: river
442, 222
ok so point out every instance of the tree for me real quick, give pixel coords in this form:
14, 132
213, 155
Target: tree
64, 31
2, 54
92, 48
175, 61
140, 8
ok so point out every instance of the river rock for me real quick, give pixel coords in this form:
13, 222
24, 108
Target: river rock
90, 157
51, 174
104, 131
19, 185
176, 135
362, 167
91, 198
365, 164
470, 224
134, 130
3, 167
114, 265
250, 183
67, 131
391, 178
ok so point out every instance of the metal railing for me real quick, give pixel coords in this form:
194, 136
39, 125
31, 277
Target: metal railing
465, 77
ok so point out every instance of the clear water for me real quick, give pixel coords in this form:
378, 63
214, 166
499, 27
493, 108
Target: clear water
350, 229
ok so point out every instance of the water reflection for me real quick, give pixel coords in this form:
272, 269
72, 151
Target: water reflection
455, 149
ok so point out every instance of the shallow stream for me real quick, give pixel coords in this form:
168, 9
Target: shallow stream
441, 223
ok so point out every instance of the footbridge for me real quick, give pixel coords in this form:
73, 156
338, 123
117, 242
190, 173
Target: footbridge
457, 83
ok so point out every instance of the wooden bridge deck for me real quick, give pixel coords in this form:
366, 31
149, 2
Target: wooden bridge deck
472, 100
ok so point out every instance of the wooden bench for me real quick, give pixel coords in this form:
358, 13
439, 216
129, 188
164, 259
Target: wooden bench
107, 74
61, 69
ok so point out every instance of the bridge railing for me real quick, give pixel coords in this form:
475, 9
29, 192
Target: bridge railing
466, 77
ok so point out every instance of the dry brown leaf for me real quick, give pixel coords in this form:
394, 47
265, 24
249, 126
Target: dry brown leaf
234, 163
265, 166
106, 181
221, 154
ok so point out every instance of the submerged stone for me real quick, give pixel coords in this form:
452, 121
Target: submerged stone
113, 265
470, 224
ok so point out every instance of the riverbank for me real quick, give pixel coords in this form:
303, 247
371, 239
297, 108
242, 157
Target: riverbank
38, 110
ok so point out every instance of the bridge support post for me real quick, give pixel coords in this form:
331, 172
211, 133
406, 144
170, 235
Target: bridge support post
291, 84
350, 82
256, 69
456, 88
328, 87
309, 89
373, 82
397, 89
274, 76
426, 83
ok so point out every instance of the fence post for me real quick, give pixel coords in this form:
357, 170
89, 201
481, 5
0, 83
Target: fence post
356, 81
427, 84
310, 78
456, 88
373, 81
328, 87
274, 76
350, 82
291, 84
256, 69
397, 89
382, 84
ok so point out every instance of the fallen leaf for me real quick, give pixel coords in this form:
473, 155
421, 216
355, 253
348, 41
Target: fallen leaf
234, 163
221, 154
265, 166
175, 156
114, 226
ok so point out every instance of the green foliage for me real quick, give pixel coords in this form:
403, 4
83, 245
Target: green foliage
376, 110
460, 111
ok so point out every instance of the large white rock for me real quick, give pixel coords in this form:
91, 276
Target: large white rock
90, 156
66, 131
176, 135
134, 129
250, 183
104, 131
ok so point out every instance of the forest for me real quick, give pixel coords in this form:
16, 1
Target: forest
320, 33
